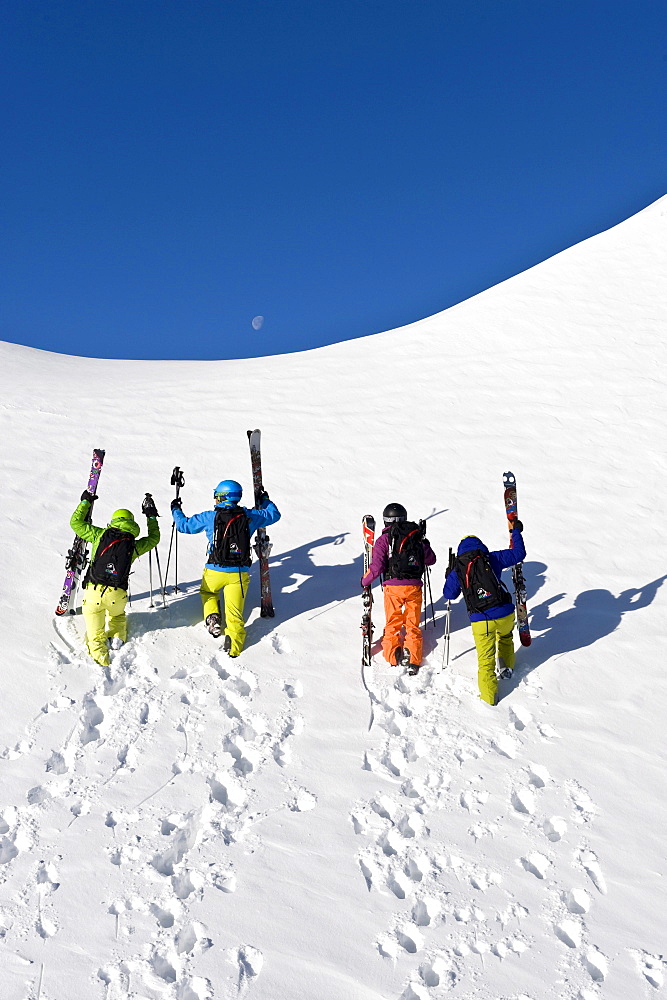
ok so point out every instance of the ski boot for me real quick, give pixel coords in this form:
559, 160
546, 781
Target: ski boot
503, 673
412, 668
227, 647
213, 625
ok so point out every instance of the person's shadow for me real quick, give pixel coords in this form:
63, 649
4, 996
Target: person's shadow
595, 613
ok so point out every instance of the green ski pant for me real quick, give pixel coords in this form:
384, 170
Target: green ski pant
234, 587
97, 603
491, 635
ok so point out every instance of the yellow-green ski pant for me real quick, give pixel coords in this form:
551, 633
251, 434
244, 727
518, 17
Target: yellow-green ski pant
489, 635
234, 587
97, 603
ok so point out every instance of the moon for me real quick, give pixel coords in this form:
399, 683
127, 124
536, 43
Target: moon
258, 323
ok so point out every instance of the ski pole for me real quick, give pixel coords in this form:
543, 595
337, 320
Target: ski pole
445, 651
177, 480
150, 580
159, 573
430, 594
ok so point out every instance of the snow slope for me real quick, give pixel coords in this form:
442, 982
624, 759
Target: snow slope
187, 826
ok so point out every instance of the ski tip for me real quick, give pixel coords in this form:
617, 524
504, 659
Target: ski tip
525, 640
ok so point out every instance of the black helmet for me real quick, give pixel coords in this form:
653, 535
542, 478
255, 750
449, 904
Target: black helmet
394, 512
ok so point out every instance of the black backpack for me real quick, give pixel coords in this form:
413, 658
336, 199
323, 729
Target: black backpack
231, 538
113, 559
406, 551
482, 590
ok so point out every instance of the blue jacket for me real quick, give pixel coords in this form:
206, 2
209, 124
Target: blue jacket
499, 560
257, 518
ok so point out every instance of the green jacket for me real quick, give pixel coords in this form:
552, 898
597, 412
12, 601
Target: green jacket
90, 533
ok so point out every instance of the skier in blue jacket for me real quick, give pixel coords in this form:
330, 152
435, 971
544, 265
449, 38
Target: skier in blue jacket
231, 579
491, 628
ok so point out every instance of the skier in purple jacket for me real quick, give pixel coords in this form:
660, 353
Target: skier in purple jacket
401, 552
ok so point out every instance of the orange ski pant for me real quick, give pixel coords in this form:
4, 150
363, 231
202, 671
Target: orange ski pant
402, 610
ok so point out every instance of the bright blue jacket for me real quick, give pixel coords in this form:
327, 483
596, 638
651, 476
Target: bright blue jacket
267, 514
499, 560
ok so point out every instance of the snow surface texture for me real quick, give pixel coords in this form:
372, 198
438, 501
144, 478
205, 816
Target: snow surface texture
184, 826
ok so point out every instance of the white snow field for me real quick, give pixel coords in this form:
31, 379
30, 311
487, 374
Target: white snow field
185, 826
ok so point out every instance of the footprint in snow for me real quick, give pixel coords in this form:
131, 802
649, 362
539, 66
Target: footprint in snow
246, 757
303, 801
293, 689
578, 901
520, 718
47, 876
400, 884
280, 644
91, 718
14, 837
523, 800
425, 911
227, 791
554, 828
409, 938
167, 915
538, 776
192, 937
547, 732
437, 971
652, 967
509, 946
596, 964
505, 745
537, 864
569, 932
585, 808
249, 961
589, 862
60, 763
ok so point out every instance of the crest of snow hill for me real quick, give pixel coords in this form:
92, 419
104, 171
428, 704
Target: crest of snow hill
187, 826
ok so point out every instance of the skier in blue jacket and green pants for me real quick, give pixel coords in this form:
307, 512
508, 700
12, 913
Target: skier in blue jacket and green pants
493, 626
231, 580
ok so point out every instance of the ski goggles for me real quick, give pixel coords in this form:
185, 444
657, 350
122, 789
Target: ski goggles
394, 520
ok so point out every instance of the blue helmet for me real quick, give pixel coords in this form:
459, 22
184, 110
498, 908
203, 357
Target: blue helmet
227, 491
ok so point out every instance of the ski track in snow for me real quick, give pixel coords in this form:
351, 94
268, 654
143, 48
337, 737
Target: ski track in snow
454, 913
158, 862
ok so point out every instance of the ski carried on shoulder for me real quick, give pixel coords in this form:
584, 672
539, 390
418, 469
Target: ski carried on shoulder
77, 556
262, 544
509, 484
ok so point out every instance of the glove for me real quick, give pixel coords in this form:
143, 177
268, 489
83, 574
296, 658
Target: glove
148, 506
517, 525
263, 498
88, 496
176, 503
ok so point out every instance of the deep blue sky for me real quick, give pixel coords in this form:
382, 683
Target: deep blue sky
170, 170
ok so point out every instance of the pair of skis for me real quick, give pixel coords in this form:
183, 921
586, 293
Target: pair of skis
511, 512
77, 556
509, 486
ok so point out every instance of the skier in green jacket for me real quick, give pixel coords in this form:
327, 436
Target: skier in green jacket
106, 583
